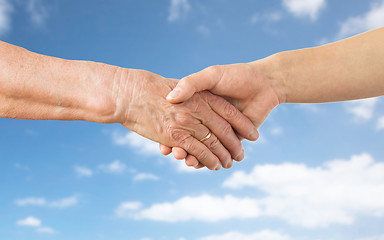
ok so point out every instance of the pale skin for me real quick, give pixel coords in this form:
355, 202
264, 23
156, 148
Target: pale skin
345, 70
34, 86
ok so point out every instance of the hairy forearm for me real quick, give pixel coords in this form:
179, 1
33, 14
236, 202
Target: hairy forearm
33, 86
349, 69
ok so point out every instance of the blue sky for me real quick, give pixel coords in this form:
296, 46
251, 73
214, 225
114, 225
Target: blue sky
317, 171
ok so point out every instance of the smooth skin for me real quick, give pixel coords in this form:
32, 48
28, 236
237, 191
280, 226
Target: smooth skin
34, 86
345, 70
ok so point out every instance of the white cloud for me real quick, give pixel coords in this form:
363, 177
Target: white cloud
47, 230
31, 201
114, 167
134, 140
126, 207
305, 8
181, 167
150, 148
5, 16
178, 9
65, 202
276, 131
29, 221
34, 201
203, 29
254, 18
83, 171
36, 223
380, 237
263, 235
37, 11
333, 193
362, 109
202, 208
145, 176
372, 19
380, 123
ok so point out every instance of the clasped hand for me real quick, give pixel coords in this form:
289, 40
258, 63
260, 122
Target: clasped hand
189, 114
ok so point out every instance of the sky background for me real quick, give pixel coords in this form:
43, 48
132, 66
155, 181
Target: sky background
317, 172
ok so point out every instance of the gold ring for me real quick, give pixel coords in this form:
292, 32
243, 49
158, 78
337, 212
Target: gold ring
207, 137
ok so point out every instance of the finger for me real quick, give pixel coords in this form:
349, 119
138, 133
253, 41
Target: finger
191, 161
217, 148
200, 165
200, 152
240, 137
179, 153
197, 82
241, 157
224, 132
213, 143
233, 116
165, 150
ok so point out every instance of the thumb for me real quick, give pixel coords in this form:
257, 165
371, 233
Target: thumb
197, 82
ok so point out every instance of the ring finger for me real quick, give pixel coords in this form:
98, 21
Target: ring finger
210, 140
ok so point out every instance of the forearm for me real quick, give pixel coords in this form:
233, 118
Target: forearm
349, 69
33, 86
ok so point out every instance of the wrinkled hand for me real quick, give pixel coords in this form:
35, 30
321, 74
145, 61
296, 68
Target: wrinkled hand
244, 85
143, 108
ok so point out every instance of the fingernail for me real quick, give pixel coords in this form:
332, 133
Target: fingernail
218, 167
229, 164
254, 135
174, 93
241, 156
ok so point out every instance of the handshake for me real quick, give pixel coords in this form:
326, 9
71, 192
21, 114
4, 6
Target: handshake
205, 116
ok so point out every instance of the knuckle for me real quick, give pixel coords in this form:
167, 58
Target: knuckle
183, 119
213, 144
203, 155
238, 145
177, 135
185, 80
230, 111
215, 69
188, 144
227, 129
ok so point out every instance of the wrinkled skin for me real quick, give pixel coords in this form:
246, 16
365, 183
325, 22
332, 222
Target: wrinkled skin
243, 85
148, 113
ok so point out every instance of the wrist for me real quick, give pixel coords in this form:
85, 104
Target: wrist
270, 69
126, 90
118, 87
